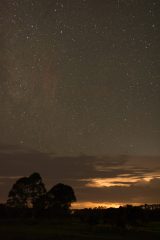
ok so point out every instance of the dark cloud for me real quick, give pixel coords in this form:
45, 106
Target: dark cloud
111, 178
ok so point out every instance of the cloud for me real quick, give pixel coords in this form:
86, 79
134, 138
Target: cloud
145, 193
113, 179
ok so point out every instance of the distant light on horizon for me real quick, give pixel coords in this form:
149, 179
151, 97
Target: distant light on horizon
81, 205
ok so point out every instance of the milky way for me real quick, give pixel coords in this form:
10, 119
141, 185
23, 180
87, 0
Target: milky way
80, 76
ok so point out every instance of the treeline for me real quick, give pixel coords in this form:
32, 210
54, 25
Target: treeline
120, 217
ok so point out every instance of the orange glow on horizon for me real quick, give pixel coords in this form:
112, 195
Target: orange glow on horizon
81, 205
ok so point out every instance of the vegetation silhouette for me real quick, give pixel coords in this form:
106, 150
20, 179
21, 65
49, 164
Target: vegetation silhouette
60, 197
30, 204
28, 195
26, 192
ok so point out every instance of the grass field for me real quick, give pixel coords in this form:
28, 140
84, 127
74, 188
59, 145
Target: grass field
69, 230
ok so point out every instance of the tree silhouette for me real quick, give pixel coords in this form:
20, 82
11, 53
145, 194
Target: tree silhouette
17, 196
26, 192
36, 189
60, 196
30, 192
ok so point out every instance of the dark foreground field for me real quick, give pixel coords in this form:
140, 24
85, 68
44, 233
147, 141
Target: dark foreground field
72, 229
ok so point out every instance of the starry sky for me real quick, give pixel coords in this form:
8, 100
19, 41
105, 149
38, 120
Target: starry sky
82, 78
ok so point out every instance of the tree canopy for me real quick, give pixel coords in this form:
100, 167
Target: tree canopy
26, 191
30, 192
60, 195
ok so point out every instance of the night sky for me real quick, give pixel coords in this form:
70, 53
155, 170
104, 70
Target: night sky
80, 87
